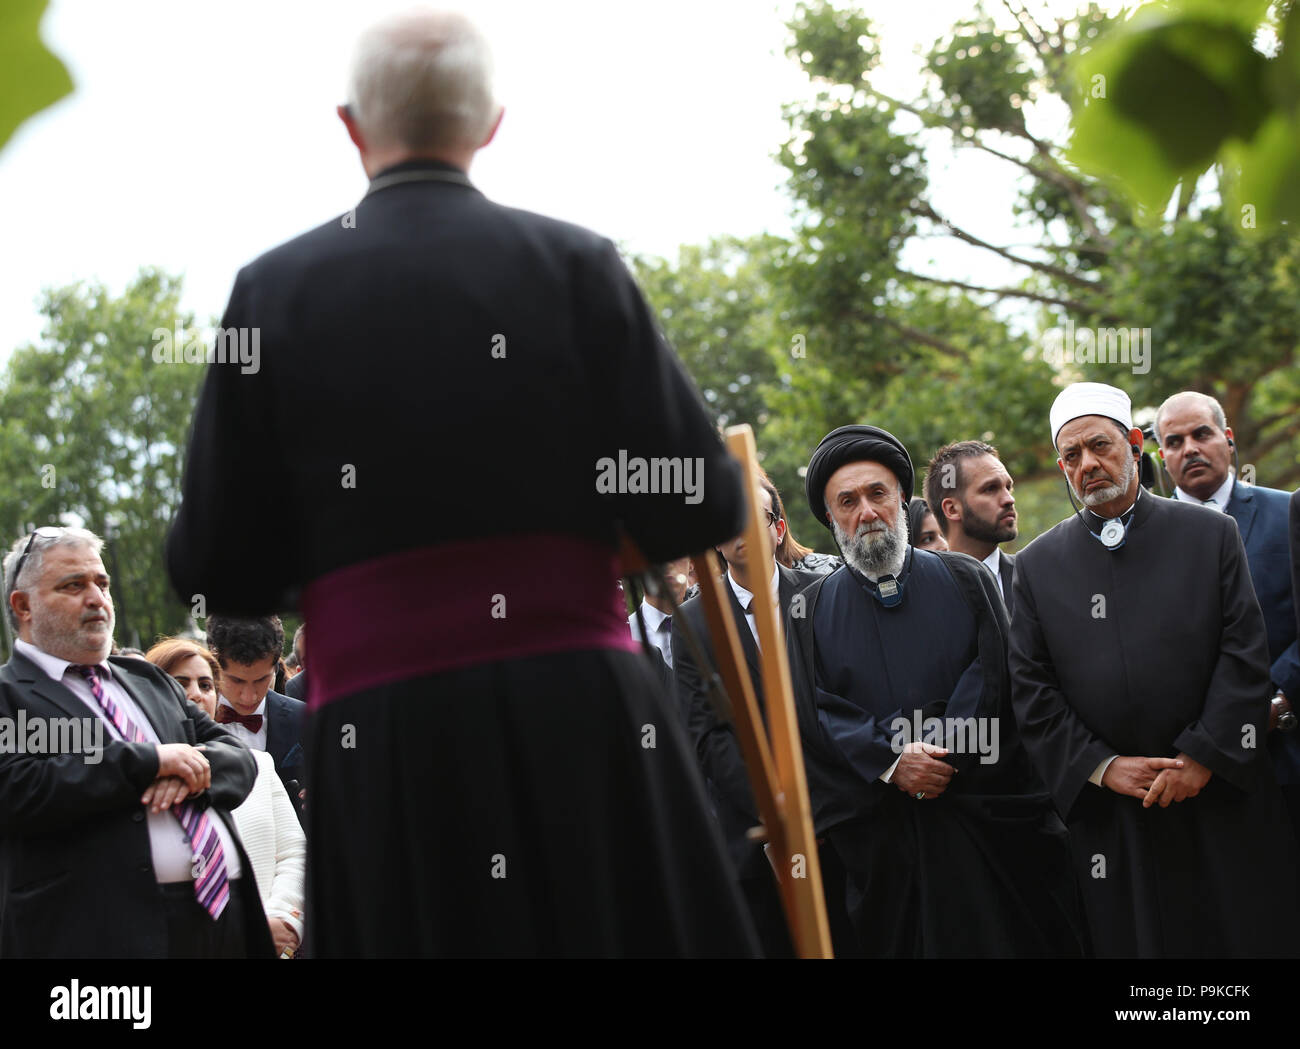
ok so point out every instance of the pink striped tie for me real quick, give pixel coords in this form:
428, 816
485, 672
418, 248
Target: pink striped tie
211, 884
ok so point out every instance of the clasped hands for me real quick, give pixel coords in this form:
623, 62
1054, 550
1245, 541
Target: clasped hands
920, 770
1156, 780
183, 772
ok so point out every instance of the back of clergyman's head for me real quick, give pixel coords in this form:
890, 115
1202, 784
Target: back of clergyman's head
36, 547
422, 81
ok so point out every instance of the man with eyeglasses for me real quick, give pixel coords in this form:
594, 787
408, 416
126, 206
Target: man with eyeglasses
715, 740
125, 849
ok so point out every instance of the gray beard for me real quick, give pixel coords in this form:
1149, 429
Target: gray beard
1105, 495
68, 644
875, 554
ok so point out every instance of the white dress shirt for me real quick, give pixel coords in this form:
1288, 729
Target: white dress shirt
994, 563
746, 598
1220, 497
172, 855
660, 626
252, 740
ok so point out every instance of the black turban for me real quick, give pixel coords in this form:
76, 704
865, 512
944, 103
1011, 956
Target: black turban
853, 444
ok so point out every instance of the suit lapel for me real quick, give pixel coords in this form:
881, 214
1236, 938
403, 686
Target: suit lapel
53, 692
148, 703
1241, 504
273, 733
1006, 569
746, 637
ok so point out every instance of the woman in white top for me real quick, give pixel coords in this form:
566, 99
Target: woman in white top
270, 830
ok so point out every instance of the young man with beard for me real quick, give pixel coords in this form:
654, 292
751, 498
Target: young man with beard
1140, 669
950, 843
972, 497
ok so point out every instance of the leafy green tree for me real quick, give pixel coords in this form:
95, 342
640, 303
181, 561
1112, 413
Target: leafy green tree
718, 308
92, 431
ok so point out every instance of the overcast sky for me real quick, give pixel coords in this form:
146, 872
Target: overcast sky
201, 134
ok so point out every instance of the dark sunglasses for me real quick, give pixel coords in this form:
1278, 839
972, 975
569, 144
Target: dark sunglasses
49, 532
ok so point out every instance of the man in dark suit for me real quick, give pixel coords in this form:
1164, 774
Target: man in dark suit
715, 740
971, 495
1196, 445
260, 718
1295, 555
116, 839
475, 789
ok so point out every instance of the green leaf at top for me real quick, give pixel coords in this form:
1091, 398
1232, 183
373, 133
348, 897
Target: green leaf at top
31, 78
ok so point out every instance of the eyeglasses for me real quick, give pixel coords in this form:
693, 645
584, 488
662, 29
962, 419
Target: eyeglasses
49, 532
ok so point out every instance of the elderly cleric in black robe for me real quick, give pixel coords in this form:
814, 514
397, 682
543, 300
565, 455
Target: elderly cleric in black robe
1141, 684
461, 405
976, 866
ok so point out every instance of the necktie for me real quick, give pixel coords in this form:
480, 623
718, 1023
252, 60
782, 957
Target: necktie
211, 885
229, 715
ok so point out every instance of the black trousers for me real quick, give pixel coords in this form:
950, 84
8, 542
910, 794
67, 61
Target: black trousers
191, 932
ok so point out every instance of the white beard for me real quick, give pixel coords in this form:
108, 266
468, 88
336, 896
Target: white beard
1114, 491
875, 552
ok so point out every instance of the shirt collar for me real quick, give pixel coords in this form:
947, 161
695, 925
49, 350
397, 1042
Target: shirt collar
1220, 497
744, 596
653, 617
53, 666
994, 560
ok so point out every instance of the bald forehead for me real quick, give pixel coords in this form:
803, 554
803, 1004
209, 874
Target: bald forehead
854, 477
1182, 414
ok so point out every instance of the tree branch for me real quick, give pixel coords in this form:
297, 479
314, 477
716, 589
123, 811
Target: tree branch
925, 338
1019, 293
925, 210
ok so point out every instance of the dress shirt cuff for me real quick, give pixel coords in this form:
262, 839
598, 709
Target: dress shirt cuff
1100, 770
888, 775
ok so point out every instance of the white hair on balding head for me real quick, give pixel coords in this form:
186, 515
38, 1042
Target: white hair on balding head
423, 80
71, 537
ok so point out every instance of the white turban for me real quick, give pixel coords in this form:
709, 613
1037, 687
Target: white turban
1090, 398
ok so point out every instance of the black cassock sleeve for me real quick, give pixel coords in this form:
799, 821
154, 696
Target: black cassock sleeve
233, 541
652, 411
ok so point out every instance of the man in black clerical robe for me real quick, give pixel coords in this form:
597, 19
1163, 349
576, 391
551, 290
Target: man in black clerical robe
982, 869
1140, 662
463, 406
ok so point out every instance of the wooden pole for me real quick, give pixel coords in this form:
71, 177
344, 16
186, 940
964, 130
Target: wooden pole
776, 769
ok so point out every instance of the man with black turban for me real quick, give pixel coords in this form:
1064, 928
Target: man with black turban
915, 769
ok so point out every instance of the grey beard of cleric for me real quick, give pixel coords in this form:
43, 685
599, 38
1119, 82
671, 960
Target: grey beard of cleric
1105, 495
876, 550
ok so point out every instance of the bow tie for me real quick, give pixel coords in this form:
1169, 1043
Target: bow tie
229, 715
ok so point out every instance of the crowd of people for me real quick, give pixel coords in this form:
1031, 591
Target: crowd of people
1085, 749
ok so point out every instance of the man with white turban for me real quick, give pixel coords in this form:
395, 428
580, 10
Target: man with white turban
1140, 681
